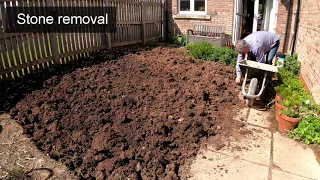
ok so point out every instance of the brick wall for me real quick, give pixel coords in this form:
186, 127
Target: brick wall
221, 13
281, 27
308, 45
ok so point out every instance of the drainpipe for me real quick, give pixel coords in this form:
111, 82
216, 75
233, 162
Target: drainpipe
286, 33
296, 28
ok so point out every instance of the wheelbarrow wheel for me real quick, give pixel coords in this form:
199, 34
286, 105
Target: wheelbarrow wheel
252, 91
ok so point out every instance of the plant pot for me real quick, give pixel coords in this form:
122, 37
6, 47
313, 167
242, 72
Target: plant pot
286, 123
279, 107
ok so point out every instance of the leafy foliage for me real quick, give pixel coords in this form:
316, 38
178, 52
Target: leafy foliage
224, 55
173, 39
299, 102
206, 51
292, 64
290, 112
200, 50
308, 130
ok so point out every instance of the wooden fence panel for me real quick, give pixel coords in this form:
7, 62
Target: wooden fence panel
22, 53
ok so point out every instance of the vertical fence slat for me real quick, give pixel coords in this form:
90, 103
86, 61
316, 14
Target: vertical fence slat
108, 35
143, 24
15, 46
86, 42
4, 54
10, 55
94, 27
74, 33
79, 34
53, 40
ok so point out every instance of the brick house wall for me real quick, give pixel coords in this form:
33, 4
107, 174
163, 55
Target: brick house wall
308, 45
221, 13
307, 42
281, 26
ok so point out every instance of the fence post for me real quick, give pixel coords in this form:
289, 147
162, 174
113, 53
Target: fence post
164, 21
108, 35
53, 39
143, 23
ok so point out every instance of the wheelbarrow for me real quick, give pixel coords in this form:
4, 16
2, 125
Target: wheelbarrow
255, 72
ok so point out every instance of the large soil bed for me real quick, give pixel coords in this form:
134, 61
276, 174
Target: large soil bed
138, 117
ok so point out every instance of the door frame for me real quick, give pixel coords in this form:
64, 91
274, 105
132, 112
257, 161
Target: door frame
255, 16
237, 20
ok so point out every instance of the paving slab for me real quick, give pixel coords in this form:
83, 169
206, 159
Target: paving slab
259, 118
255, 146
280, 175
241, 114
212, 165
291, 156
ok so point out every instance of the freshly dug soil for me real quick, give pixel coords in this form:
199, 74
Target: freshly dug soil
140, 116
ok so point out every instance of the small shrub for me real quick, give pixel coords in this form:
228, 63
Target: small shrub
224, 55
206, 51
292, 64
201, 50
151, 44
173, 39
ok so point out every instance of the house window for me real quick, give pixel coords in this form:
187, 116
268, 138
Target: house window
197, 7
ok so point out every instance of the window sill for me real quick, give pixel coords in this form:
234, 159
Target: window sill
193, 16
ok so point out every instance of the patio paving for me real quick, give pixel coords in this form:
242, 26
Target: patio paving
264, 154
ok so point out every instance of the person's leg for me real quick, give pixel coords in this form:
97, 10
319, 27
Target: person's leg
272, 53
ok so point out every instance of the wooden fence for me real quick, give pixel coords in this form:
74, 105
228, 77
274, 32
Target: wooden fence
138, 21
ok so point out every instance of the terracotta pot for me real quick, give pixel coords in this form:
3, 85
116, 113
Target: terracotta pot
279, 107
286, 123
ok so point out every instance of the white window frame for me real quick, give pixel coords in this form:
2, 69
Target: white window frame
192, 12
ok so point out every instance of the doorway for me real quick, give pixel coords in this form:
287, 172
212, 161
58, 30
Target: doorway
254, 15
248, 16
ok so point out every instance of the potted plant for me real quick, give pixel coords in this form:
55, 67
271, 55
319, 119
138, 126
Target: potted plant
288, 119
282, 99
201, 8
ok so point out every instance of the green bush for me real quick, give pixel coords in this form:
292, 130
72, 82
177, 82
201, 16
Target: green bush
292, 64
224, 55
206, 51
173, 39
200, 50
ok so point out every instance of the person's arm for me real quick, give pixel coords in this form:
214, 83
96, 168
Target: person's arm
238, 70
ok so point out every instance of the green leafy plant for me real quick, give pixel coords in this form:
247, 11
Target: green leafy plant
206, 51
299, 102
291, 112
292, 64
173, 39
200, 50
308, 130
224, 55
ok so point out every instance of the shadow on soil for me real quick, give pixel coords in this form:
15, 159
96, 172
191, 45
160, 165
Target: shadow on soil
12, 91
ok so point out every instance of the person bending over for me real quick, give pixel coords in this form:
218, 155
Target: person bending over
256, 45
